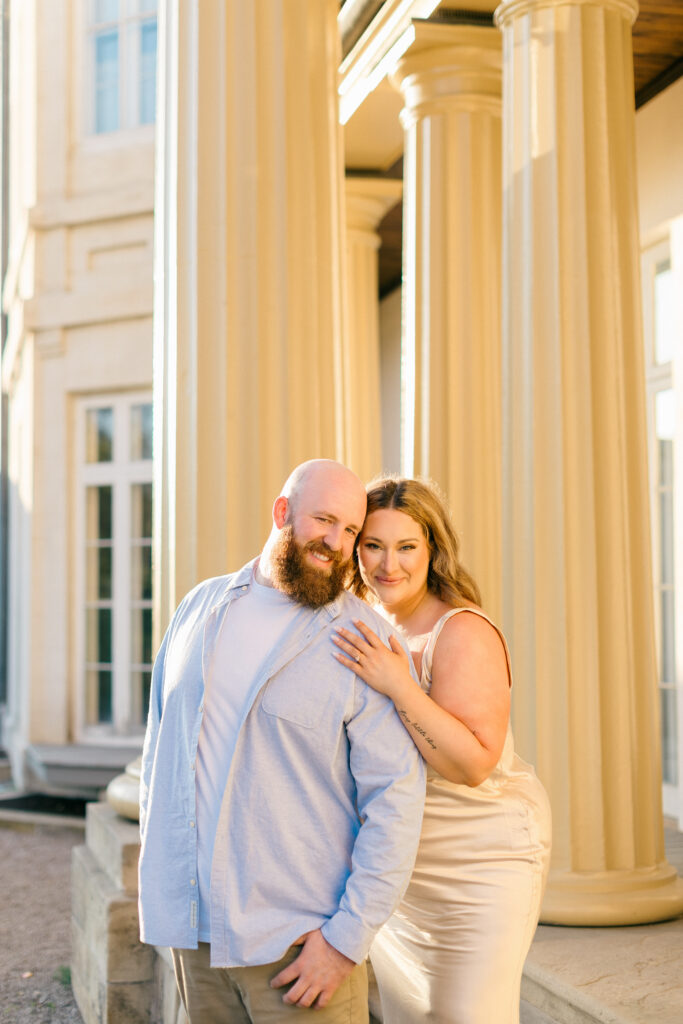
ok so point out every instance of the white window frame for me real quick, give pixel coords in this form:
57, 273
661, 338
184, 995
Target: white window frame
128, 70
121, 473
660, 377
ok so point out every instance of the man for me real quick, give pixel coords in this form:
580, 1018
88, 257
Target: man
281, 798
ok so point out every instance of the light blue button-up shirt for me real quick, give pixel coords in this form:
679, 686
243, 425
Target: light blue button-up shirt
321, 814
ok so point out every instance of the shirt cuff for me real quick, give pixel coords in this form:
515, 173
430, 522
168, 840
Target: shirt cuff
348, 935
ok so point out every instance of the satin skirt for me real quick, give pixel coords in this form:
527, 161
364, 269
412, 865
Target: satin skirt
454, 950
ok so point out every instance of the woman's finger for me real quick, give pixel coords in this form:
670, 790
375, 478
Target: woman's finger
367, 633
347, 646
349, 662
355, 640
396, 646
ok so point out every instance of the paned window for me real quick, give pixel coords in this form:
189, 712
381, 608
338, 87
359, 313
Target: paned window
660, 331
664, 582
115, 634
122, 43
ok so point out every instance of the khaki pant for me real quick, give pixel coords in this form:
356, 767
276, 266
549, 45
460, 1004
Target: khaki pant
242, 995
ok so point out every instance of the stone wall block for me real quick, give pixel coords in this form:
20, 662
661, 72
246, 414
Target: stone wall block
129, 1003
115, 844
110, 924
112, 970
84, 979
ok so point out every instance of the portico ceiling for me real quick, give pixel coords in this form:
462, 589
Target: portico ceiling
373, 137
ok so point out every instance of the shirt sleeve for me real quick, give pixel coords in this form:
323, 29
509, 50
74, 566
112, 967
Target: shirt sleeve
390, 785
152, 731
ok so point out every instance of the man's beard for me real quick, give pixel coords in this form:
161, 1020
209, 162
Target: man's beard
307, 585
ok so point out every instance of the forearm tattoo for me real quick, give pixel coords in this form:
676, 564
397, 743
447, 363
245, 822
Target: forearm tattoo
417, 727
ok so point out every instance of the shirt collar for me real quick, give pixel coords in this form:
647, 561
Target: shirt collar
242, 580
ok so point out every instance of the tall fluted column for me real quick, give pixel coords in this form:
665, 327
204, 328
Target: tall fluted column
250, 250
576, 542
450, 79
367, 201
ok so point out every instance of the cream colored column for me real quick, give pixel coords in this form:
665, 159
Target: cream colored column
576, 543
367, 201
450, 79
248, 308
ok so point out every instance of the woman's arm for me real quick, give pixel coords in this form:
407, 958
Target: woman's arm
460, 726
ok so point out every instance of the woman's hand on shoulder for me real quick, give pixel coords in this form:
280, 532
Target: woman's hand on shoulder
384, 668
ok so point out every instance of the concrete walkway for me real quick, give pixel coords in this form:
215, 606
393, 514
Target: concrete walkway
609, 975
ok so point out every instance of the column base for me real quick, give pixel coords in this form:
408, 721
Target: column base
613, 898
123, 792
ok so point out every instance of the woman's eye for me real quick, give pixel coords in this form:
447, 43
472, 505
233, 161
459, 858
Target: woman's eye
371, 545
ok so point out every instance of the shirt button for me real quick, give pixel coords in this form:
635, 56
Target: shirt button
191, 824
244, 588
191, 766
193, 881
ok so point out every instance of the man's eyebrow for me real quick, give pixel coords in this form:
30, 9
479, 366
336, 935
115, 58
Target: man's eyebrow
334, 518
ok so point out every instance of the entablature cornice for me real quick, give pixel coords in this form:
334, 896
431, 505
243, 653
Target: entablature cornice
380, 46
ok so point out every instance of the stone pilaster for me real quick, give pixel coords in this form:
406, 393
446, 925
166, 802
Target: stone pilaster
248, 307
367, 201
450, 79
577, 591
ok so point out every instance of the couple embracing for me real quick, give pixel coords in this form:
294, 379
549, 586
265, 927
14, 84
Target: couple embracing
296, 707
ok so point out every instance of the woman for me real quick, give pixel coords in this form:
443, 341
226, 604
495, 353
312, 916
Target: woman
454, 950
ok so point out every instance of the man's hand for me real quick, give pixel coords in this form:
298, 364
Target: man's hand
317, 972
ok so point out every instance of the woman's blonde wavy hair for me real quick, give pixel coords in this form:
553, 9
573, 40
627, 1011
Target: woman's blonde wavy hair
423, 502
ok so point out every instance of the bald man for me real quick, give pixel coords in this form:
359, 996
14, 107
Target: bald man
281, 798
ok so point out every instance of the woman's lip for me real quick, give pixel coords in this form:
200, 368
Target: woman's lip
384, 579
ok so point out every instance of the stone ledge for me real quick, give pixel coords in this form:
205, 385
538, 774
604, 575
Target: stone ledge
108, 918
115, 843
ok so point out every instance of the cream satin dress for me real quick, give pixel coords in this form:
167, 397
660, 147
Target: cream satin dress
454, 950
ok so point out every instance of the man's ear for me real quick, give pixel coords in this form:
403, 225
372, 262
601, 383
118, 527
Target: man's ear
280, 509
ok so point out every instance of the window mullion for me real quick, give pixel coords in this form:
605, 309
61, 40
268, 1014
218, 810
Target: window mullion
122, 573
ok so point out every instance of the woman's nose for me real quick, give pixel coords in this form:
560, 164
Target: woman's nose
389, 560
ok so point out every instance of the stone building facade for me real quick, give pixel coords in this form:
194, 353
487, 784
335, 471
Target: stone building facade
227, 302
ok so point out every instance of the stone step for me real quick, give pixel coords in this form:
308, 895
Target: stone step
629, 975
529, 1014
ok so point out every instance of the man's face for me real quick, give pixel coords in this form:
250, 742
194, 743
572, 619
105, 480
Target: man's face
311, 559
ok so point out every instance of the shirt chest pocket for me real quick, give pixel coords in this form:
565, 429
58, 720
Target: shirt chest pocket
305, 697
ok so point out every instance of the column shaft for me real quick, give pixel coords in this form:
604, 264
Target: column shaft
451, 81
367, 201
248, 279
577, 590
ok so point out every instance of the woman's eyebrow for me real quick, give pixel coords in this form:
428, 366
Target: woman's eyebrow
380, 541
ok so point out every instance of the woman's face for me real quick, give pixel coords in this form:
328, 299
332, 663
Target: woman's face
393, 554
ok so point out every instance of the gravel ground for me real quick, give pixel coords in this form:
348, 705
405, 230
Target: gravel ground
35, 938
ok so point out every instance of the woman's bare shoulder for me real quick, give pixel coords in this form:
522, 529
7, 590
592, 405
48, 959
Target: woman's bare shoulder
470, 628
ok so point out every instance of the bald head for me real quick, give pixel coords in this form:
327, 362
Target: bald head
316, 520
327, 476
